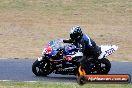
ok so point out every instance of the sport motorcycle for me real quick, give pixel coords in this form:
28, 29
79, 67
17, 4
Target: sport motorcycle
61, 58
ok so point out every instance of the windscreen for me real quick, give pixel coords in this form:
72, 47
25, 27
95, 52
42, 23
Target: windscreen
56, 44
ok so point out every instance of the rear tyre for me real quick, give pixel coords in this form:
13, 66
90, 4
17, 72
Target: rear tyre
105, 66
41, 68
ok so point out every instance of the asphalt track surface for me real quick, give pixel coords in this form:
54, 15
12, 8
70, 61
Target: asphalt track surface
21, 70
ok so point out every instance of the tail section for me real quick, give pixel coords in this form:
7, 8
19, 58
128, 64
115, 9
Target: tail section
107, 50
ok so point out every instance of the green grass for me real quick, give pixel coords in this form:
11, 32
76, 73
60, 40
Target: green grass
59, 85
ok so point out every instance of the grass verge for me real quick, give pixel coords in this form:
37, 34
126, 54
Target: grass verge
59, 85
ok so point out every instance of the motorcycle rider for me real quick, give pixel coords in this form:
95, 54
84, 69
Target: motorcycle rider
89, 47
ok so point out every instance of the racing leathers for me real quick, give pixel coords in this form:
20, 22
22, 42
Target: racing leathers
89, 49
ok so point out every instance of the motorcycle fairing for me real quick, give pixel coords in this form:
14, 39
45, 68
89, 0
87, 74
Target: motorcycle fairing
107, 50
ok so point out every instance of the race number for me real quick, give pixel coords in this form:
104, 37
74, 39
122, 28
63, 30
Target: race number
109, 51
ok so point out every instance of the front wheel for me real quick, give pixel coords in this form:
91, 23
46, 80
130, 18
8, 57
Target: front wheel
105, 66
41, 68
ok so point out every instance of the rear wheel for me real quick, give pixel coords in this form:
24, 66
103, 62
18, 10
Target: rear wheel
42, 68
105, 66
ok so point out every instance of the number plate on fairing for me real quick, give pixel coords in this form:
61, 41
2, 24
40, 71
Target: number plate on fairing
107, 50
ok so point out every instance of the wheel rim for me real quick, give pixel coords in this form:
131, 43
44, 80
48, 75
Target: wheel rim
103, 67
42, 68
94, 70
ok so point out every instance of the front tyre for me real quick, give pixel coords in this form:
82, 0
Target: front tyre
105, 66
41, 68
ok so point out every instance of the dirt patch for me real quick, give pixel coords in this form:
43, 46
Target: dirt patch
25, 28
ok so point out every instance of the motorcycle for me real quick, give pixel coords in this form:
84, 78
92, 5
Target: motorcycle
60, 58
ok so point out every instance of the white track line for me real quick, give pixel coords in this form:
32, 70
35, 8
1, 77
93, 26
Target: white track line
5, 80
18, 81
120, 61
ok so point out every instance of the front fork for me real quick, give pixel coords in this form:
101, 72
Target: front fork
40, 58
